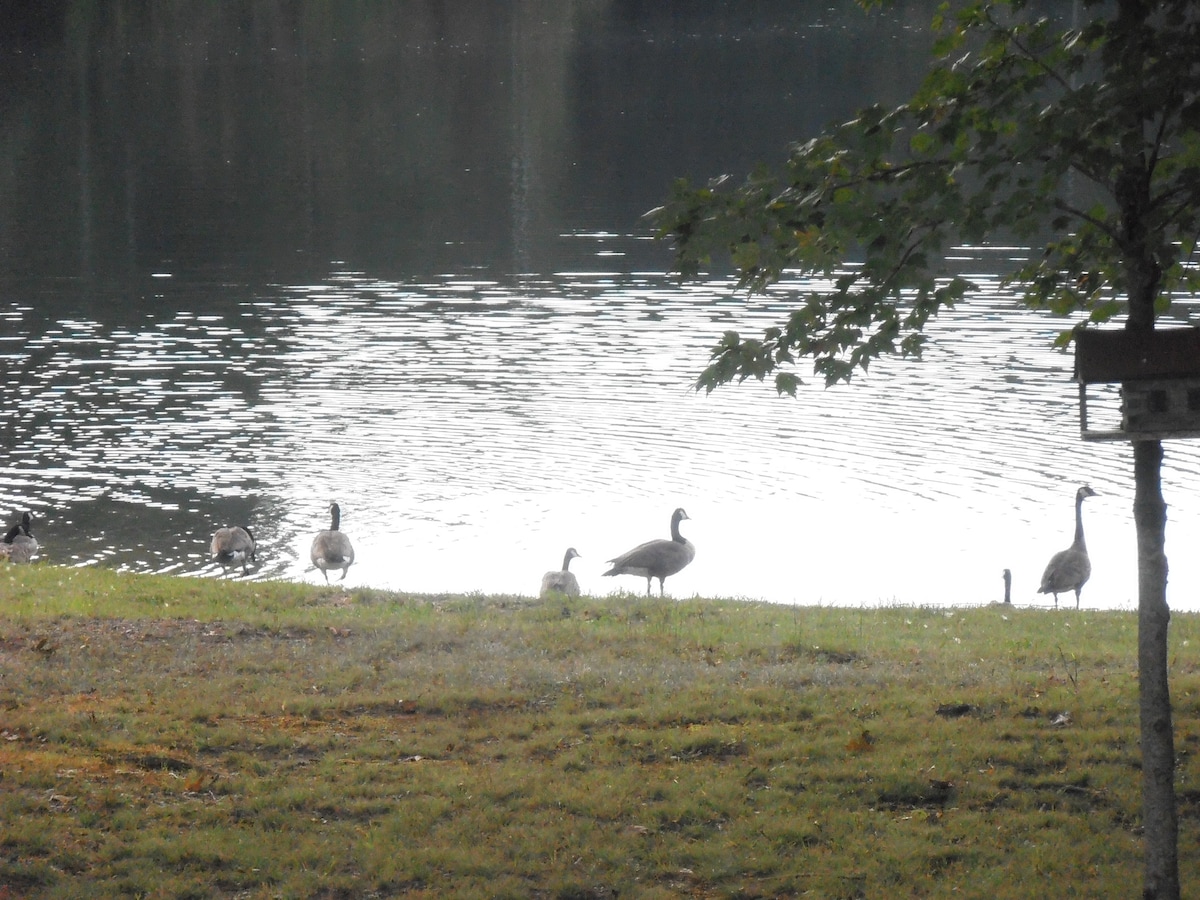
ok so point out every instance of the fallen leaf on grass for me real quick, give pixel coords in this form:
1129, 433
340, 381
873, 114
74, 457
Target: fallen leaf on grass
862, 743
195, 784
1061, 720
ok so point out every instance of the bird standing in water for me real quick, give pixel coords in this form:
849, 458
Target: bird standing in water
331, 549
233, 546
19, 544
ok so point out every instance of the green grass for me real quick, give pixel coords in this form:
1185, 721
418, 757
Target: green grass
178, 737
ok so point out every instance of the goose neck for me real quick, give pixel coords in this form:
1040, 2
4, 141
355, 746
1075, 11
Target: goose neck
675, 535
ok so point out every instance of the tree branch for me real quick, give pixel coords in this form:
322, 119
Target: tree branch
1084, 216
1030, 56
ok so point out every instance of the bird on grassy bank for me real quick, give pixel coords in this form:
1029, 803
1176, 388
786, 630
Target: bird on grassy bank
561, 581
657, 559
331, 549
234, 546
19, 544
1069, 570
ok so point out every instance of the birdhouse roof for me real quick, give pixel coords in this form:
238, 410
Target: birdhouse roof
1122, 355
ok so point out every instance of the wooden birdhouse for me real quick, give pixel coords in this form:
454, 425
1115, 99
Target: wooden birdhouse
1159, 377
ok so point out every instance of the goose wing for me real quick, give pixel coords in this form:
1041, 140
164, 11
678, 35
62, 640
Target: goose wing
653, 558
634, 559
560, 581
231, 544
1067, 570
332, 549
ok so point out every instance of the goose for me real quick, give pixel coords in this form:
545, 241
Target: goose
233, 546
657, 559
561, 581
331, 549
19, 544
1069, 570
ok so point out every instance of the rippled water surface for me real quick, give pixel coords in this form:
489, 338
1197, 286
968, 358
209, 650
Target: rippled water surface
258, 257
473, 427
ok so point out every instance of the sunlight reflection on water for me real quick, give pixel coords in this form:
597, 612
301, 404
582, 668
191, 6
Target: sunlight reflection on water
472, 429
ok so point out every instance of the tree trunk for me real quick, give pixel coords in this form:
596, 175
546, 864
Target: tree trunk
1159, 818
1144, 279
1160, 821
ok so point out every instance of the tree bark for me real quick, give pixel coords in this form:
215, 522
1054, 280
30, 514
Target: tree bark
1159, 818
1160, 821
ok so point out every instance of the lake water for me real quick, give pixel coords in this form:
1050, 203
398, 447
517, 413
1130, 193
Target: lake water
227, 302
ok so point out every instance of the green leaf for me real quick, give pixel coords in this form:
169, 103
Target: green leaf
1081, 136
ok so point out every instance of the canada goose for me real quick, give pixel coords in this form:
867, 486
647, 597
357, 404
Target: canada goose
657, 559
1069, 570
19, 544
233, 547
331, 549
562, 581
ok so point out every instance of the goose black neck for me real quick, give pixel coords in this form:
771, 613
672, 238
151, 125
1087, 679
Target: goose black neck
1079, 520
566, 561
336, 517
675, 535
12, 533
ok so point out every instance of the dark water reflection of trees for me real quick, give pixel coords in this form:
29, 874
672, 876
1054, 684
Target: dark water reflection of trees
265, 139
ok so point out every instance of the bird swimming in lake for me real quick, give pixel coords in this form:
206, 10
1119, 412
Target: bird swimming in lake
19, 544
1069, 570
331, 549
657, 559
561, 581
233, 546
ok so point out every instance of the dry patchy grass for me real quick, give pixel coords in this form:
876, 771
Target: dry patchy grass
165, 737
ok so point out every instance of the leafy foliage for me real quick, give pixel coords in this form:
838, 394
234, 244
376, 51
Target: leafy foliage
1083, 139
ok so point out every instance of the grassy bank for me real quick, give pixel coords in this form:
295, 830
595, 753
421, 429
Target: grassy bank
172, 737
